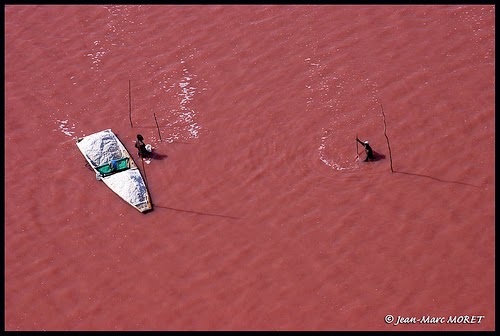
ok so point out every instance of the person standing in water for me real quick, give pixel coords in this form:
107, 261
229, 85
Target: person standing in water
141, 146
368, 150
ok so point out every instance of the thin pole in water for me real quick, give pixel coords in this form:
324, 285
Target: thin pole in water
386, 137
130, 104
357, 151
144, 170
158, 127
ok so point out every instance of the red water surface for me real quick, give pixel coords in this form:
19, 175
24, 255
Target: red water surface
263, 219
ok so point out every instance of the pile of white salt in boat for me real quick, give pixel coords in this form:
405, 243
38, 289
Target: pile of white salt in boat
101, 149
129, 184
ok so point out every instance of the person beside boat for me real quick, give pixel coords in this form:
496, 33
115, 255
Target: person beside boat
142, 147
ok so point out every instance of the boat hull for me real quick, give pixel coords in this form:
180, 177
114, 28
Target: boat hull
99, 149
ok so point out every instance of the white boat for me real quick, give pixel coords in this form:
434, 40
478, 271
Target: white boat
113, 165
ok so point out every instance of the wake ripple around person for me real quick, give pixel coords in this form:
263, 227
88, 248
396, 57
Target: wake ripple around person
352, 100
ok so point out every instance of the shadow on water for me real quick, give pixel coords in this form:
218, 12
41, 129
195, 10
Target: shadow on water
378, 156
438, 179
158, 156
87, 165
195, 212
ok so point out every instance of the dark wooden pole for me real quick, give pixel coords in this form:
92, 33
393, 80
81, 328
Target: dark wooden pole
386, 137
144, 170
130, 104
357, 151
158, 127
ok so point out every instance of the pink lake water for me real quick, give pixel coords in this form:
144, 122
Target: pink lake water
263, 219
